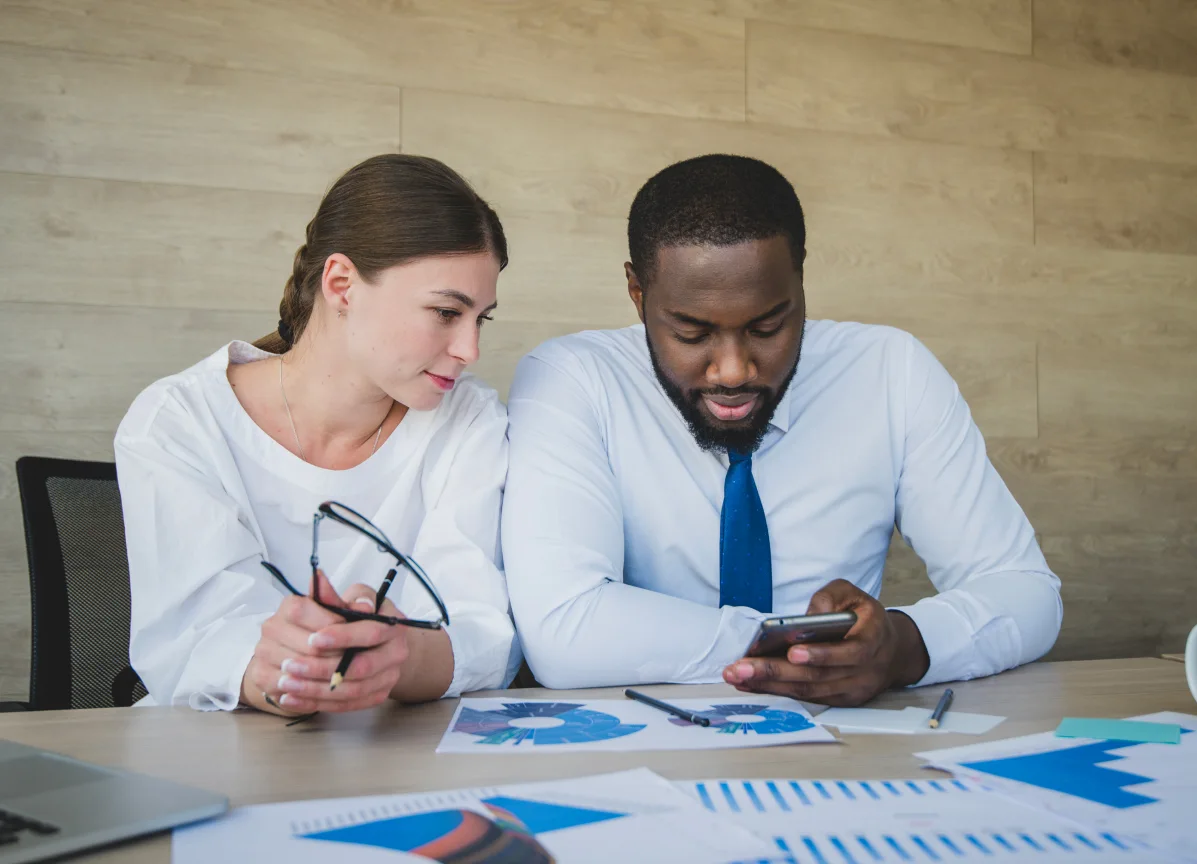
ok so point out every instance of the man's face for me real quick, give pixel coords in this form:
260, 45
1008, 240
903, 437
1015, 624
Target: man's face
724, 327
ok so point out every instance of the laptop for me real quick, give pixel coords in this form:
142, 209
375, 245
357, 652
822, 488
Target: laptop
52, 805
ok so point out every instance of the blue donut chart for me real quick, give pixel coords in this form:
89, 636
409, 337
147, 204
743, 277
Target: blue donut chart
774, 721
578, 725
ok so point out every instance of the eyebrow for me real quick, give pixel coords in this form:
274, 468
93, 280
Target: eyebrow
683, 318
464, 299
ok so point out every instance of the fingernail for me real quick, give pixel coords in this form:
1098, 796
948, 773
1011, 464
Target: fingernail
294, 667
286, 682
743, 671
365, 601
320, 640
799, 655
287, 699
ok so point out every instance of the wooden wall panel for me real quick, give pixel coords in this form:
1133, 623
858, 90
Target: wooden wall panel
1103, 391
108, 242
996, 25
847, 83
76, 368
1129, 485
1158, 35
1115, 203
1005, 291
617, 54
541, 157
998, 380
126, 119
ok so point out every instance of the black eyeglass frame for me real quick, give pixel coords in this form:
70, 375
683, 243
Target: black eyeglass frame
373, 532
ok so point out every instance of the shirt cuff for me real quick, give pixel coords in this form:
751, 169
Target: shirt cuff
947, 637
485, 656
227, 651
737, 628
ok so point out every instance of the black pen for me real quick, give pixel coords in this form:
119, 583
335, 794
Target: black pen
350, 653
667, 708
944, 701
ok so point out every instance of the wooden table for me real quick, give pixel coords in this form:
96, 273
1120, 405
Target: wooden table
255, 758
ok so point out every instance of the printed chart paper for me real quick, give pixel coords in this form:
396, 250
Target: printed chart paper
581, 820
908, 721
1140, 790
557, 725
904, 822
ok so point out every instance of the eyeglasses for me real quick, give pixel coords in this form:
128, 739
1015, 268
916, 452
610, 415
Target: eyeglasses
350, 518
356, 521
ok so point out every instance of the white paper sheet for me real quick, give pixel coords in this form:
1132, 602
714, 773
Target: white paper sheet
1144, 791
621, 725
580, 820
903, 822
909, 721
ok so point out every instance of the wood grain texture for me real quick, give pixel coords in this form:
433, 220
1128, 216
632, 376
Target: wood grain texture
1157, 35
1123, 582
1129, 486
65, 375
595, 52
1098, 390
550, 158
1115, 203
565, 268
998, 380
1006, 291
390, 749
106, 242
995, 25
846, 83
180, 123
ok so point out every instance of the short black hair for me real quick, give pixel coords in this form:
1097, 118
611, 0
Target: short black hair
715, 200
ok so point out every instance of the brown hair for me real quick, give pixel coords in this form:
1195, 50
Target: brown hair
385, 211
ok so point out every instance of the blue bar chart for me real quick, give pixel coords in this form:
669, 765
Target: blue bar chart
902, 821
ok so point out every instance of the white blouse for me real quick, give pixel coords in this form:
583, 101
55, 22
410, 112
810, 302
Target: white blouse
207, 495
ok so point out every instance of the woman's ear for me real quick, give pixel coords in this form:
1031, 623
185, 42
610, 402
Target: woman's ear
338, 277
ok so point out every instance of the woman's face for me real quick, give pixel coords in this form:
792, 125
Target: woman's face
414, 329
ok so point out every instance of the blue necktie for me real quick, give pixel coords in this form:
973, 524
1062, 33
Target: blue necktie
745, 565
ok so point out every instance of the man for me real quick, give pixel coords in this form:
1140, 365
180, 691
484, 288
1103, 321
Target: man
671, 483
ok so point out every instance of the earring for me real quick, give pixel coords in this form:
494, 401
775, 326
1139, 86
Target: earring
340, 312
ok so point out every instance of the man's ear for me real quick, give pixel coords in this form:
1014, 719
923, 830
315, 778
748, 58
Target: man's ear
635, 291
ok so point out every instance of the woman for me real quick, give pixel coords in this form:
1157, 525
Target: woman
358, 398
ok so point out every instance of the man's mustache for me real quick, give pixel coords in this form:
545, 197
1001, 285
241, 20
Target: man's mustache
695, 395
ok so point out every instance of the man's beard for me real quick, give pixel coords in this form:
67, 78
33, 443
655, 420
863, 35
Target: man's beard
743, 439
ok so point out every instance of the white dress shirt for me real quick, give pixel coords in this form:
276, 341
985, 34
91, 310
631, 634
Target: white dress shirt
611, 517
207, 494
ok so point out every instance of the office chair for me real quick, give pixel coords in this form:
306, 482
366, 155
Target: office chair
78, 586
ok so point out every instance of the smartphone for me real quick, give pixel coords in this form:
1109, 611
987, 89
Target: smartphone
776, 635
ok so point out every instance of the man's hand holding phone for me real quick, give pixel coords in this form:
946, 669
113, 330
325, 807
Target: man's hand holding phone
883, 649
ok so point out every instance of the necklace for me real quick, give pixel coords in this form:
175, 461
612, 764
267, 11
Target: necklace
287, 405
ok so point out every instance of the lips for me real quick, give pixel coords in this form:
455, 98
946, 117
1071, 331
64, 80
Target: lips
731, 408
441, 382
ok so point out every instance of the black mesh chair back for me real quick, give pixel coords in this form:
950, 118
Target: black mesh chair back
78, 584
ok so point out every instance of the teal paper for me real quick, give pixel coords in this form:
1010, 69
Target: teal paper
1119, 730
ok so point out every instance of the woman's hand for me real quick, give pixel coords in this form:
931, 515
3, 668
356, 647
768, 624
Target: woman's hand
302, 644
